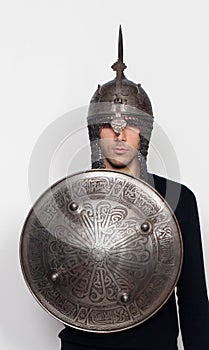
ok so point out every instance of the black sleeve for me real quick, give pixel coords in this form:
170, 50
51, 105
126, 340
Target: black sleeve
191, 288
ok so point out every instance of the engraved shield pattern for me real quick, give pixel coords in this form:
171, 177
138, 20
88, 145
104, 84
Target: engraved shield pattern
101, 251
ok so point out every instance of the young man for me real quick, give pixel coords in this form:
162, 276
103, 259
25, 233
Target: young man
120, 122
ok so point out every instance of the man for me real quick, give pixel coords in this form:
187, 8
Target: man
120, 122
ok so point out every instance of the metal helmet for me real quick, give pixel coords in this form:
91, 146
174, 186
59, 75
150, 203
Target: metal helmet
118, 103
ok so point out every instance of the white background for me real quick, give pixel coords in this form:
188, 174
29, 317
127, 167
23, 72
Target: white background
53, 53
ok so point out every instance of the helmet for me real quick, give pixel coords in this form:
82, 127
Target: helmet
118, 103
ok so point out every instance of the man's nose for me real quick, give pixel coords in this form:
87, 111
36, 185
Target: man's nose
120, 136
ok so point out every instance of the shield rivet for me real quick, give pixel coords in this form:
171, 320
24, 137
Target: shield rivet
145, 226
73, 206
125, 298
54, 276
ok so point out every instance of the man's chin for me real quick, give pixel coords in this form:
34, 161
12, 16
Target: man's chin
115, 165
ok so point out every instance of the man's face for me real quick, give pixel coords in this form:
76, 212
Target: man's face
120, 152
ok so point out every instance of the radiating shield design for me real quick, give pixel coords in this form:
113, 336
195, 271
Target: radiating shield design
101, 251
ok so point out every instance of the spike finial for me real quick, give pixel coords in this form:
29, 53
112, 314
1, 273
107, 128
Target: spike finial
119, 66
120, 45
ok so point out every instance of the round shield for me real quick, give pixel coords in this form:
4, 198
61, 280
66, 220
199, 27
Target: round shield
101, 251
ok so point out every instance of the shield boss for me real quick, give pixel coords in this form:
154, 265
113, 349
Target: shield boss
101, 251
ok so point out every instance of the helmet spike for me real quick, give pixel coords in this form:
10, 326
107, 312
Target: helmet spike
119, 66
120, 45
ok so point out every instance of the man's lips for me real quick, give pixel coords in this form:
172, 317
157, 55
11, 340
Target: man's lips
119, 150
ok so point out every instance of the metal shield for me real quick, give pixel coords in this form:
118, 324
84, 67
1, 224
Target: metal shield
101, 251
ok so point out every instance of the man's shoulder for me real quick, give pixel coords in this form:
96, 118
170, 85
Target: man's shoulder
160, 181
175, 193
